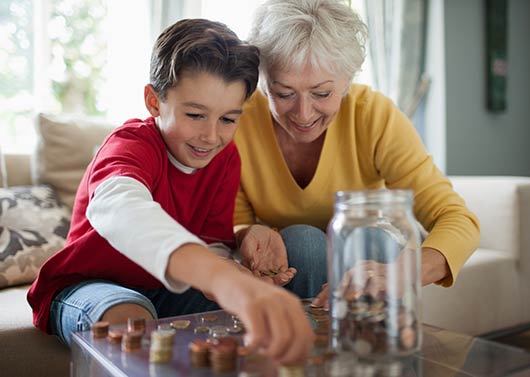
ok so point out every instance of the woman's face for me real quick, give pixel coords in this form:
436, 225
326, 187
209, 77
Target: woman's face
303, 102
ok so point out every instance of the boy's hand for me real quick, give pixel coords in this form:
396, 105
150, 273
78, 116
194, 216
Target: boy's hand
263, 252
273, 317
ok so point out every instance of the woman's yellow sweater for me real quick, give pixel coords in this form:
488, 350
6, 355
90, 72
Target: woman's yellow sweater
370, 144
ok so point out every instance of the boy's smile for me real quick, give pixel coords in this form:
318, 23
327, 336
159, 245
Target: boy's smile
199, 116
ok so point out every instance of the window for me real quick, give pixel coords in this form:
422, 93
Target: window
70, 56
91, 57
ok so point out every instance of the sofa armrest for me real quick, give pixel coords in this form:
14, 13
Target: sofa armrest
18, 169
502, 204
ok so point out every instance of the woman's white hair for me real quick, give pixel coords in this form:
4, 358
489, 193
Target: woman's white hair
326, 33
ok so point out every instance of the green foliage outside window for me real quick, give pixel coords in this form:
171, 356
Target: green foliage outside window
73, 68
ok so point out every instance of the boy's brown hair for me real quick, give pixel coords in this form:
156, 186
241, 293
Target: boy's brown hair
201, 45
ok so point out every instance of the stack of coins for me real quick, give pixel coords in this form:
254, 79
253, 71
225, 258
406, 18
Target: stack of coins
136, 324
115, 336
291, 371
199, 353
100, 330
131, 341
223, 354
161, 349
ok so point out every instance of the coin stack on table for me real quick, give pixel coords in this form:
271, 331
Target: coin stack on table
136, 324
223, 354
100, 330
131, 341
161, 348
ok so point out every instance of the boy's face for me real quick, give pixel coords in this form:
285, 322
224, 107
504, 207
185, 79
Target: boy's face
199, 116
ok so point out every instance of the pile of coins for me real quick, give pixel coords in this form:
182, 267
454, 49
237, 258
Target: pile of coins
223, 354
369, 326
136, 324
218, 353
100, 330
131, 341
291, 371
161, 348
115, 336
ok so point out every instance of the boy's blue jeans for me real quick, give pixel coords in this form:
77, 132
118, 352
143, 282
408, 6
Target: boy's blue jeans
79, 306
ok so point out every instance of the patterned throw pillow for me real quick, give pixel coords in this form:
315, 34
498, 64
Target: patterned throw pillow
33, 226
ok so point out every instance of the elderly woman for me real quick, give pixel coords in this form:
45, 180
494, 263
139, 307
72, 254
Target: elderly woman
310, 132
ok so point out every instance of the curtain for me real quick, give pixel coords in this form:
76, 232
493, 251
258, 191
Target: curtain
397, 35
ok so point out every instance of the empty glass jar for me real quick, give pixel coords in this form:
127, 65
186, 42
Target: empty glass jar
374, 271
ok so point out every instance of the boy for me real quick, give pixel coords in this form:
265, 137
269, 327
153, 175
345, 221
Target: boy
155, 206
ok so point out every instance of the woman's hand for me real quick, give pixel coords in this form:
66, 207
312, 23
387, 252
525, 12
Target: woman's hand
370, 277
367, 277
263, 253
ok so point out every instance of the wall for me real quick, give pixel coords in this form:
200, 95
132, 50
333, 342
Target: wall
479, 142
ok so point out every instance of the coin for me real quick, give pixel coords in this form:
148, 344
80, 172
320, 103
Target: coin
201, 329
136, 324
115, 336
100, 329
209, 318
180, 324
291, 371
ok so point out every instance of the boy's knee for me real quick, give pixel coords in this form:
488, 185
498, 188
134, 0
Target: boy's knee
120, 313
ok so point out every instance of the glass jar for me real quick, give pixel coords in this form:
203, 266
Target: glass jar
374, 274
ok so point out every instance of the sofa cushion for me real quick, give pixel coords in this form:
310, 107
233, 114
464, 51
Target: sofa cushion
25, 350
65, 146
33, 226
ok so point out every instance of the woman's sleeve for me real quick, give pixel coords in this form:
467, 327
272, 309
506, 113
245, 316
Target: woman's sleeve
402, 161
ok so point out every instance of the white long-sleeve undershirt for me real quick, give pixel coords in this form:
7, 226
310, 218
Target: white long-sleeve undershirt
123, 212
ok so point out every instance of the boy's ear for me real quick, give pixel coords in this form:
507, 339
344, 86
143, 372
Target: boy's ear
152, 101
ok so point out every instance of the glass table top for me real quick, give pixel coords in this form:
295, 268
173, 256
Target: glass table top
443, 353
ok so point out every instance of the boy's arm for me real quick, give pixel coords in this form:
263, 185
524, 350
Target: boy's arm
123, 212
273, 317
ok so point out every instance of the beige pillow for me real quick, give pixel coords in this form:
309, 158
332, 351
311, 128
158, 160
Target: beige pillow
33, 227
65, 147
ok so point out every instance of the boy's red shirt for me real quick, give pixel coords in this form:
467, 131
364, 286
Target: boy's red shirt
202, 202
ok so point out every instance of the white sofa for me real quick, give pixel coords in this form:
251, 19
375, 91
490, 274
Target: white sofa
491, 294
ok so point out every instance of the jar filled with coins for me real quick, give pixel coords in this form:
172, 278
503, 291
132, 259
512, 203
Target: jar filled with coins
374, 273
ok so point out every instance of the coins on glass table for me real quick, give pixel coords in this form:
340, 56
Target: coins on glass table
199, 350
317, 310
136, 324
180, 324
161, 348
115, 336
236, 326
291, 371
131, 341
100, 330
321, 319
208, 318
201, 329
223, 355
218, 331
